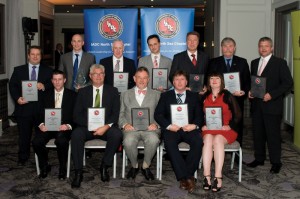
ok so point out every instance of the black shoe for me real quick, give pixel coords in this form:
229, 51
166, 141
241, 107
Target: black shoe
44, 171
132, 173
148, 174
276, 168
62, 173
255, 163
206, 185
104, 173
215, 187
77, 179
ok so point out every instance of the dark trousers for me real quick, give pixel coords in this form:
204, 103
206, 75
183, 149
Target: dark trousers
81, 134
61, 141
183, 168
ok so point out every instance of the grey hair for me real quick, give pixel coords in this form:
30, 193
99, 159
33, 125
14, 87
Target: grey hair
227, 40
97, 66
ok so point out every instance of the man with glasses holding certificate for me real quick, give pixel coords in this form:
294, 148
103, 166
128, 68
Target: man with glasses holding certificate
179, 114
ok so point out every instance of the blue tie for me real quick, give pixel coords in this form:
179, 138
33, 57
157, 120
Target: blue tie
33, 73
75, 69
228, 65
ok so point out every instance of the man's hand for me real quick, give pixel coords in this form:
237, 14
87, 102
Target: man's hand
128, 127
43, 128
249, 95
101, 130
21, 101
226, 127
40, 86
64, 127
267, 97
239, 93
189, 127
152, 127
174, 128
204, 90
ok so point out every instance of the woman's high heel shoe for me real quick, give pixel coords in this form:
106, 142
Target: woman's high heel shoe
215, 187
206, 186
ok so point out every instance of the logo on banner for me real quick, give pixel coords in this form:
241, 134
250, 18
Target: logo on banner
167, 26
110, 26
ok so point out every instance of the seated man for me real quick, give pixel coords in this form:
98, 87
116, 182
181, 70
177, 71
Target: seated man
63, 98
96, 95
173, 133
139, 97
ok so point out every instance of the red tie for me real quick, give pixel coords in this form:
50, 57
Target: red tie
142, 91
194, 61
155, 62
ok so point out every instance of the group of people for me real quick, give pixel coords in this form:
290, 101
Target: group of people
58, 89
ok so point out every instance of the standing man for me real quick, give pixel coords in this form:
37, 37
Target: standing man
267, 112
139, 97
76, 64
58, 52
27, 113
63, 98
173, 134
96, 95
228, 63
155, 59
118, 63
191, 61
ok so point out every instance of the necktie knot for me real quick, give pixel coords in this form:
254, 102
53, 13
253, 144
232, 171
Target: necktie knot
194, 61
33, 67
179, 100
142, 92
76, 55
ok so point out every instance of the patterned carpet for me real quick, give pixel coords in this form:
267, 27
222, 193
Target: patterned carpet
22, 182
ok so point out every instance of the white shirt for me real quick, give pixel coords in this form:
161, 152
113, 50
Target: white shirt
121, 63
36, 70
139, 97
190, 55
153, 58
183, 97
266, 60
61, 93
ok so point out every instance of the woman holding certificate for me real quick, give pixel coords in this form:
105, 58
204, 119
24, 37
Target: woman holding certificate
222, 114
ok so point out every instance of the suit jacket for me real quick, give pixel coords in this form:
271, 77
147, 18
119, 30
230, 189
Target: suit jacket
66, 65
238, 65
67, 105
279, 81
128, 67
110, 101
57, 55
15, 87
147, 62
163, 111
128, 101
181, 61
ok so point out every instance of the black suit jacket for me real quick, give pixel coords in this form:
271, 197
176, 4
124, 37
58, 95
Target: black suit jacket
162, 113
110, 101
57, 55
181, 61
279, 81
128, 67
15, 87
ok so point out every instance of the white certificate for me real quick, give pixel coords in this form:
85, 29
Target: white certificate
213, 118
30, 91
96, 118
179, 114
52, 119
159, 78
121, 81
232, 81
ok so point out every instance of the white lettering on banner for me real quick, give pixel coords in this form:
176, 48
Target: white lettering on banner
112, 27
169, 27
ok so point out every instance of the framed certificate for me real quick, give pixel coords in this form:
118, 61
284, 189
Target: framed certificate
196, 82
258, 86
96, 118
52, 119
140, 118
121, 81
213, 118
30, 91
232, 81
179, 114
159, 78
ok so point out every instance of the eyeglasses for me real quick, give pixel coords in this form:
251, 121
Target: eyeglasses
97, 74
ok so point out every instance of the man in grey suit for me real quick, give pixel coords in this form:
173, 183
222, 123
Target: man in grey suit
139, 97
77, 77
155, 59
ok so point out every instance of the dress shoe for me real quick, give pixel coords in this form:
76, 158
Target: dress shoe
148, 174
77, 179
44, 171
183, 184
276, 168
191, 184
255, 163
62, 173
104, 173
215, 187
132, 173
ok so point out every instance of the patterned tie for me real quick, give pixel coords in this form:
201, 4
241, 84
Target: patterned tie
194, 61
179, 100
117, 66
262, 67
155, 63
97, 99
142, 92
33, 73
57, 100
228, 64
75, 69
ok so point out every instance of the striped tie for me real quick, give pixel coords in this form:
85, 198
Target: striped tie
179, 100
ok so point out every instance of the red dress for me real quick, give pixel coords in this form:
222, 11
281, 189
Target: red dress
230, 135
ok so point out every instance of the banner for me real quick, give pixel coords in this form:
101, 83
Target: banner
296, 74
103, 26
171, 25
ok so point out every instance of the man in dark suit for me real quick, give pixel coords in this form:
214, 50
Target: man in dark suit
192, 61
57, 53
118, 63
27, 113
173, 133
96, 95
227, 63
267, 112
76, 64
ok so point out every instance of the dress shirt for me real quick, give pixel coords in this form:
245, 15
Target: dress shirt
183, 97
100, 93
190, 55
266, 59
121, 63
36, 70
139, 97
153, 58
79, 57
60, 97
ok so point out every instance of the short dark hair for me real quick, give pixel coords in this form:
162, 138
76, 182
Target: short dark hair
141, 69
59, 72
180, 73
193, 33
34, 47
215, 74
152, 37
226, 40
268, 39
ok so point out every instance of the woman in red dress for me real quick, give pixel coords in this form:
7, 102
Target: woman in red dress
214, 140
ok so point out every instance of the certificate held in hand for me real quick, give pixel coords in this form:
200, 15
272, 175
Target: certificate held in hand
121, 81
159, 78
213, 118
258, 86
30, 91
179, 114
96, 118
196, 82
140, 118
232, 81
53, 119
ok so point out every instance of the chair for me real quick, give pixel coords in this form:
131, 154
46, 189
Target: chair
182, 146
141, 146
51, 144
99, 144
235, 148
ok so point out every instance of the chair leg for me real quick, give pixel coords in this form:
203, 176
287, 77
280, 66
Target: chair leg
69, 162
232, 160
200, 163
115, 166
240, 164
160, 162
157, 162
123, 165
37, 164
84, 157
